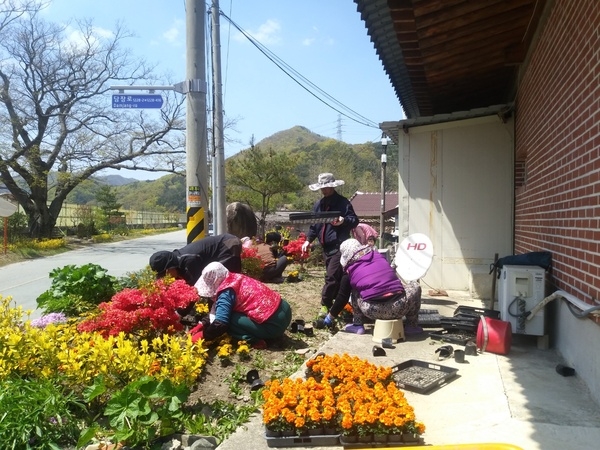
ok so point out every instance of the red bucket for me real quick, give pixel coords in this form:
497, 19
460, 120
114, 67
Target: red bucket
494, 336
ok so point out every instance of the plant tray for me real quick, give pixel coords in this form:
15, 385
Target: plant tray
314, 217
374, 444
304, 441
421, 376
477, 312
453, 336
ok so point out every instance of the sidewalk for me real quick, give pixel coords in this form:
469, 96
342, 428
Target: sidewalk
516, 399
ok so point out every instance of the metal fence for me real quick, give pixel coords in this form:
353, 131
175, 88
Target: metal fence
70, 217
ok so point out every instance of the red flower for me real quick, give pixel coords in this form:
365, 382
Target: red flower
294, 249
143, 311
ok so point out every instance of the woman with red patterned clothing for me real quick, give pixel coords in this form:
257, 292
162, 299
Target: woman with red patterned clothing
241, 306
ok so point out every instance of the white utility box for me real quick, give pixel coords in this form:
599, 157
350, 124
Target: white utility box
520, 288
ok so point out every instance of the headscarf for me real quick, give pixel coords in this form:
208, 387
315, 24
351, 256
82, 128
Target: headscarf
352, 250
211, 278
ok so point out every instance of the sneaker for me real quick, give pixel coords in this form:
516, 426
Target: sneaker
356, 329
412, 331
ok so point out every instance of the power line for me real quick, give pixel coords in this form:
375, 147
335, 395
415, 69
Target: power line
303, 82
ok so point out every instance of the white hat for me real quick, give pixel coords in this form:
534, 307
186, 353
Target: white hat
211, 278
325, 180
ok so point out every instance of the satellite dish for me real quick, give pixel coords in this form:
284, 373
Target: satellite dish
7, 208
413, 257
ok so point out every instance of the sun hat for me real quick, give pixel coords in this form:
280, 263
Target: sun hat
325, 180
211, 278
352, 249
161, 261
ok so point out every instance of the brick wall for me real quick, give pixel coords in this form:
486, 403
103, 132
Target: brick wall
557, 204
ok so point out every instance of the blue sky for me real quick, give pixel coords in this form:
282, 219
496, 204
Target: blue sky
323, 40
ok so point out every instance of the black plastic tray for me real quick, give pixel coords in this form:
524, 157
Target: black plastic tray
304, 441
466, 323
314, 217
453, 336
471, 311
421, 376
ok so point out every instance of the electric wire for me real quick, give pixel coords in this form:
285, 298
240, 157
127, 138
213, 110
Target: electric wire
296, 77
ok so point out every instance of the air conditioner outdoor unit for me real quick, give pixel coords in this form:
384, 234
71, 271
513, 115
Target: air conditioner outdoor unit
520, 288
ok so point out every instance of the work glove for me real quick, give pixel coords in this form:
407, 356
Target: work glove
338, 221
305, 246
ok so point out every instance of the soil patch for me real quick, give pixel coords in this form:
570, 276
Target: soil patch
228, 383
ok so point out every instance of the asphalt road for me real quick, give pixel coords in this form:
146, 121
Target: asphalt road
25, 281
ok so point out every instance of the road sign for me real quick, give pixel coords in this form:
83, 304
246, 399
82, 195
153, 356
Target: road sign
129, 101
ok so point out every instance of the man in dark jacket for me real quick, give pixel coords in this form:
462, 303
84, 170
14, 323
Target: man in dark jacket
330, 236
188, 262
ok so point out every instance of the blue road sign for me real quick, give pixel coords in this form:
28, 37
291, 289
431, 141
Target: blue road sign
137, 101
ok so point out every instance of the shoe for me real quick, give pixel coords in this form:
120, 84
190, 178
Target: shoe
356, 329
260, 345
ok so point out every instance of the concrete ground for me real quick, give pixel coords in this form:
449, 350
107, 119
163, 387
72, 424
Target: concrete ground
517, 399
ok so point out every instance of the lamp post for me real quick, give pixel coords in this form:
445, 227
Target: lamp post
384, 144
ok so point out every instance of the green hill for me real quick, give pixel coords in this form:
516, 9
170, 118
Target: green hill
359, 165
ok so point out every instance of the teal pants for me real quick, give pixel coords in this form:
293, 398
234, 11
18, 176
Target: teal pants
242, 328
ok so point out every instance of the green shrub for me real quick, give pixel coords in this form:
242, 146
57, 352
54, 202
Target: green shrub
37, 414
77, 289
145, 410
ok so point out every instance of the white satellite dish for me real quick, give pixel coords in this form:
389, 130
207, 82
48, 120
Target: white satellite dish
7, 208
413, 257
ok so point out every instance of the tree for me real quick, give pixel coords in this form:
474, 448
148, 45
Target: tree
107, 201
259, 177
57, 126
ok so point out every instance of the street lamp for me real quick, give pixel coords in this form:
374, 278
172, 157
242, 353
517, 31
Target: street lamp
384, 144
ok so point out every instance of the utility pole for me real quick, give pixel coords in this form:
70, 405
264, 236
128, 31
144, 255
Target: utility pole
196, 163
384, 144
219, 206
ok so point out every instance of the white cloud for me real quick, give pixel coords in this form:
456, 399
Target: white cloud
308, 41
267, 33
174, 34
77, 39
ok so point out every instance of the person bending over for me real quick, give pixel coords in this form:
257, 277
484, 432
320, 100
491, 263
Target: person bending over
188, 262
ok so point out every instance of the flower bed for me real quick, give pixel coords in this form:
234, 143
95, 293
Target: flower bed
342, 393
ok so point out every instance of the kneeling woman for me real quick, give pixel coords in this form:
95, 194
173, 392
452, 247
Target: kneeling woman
243, 307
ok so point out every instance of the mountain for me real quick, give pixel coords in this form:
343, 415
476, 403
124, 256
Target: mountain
115, 180
295, 137
357, 164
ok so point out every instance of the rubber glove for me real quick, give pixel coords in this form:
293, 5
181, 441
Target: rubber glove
197, 336
197, 328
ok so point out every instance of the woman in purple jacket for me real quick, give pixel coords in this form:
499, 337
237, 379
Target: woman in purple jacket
378, 292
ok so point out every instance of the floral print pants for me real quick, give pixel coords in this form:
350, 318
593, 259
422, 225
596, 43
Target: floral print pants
392, 308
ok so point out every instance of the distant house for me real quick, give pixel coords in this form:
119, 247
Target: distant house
367, 206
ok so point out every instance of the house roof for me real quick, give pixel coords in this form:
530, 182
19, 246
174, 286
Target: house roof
368, 204
452, 55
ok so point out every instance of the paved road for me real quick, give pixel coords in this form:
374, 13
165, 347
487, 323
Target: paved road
25, 281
